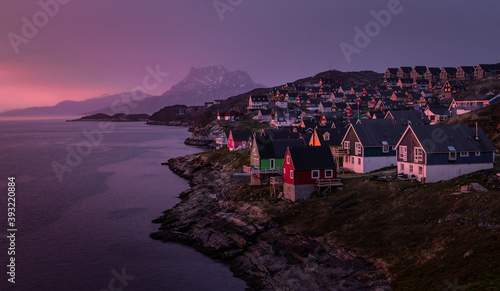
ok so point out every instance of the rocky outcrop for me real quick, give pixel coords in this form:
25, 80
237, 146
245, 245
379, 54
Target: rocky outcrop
243, 233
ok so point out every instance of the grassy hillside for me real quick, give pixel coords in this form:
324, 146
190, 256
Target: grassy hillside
423, 235
487, 118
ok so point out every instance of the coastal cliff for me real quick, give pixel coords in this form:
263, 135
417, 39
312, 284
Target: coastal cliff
237, 224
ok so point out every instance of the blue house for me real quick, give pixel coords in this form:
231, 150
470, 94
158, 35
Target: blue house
443, 151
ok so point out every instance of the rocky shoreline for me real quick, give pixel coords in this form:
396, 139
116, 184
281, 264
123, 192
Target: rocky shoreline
242, 232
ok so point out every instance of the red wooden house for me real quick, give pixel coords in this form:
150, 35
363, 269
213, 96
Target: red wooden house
303, 167
239, 139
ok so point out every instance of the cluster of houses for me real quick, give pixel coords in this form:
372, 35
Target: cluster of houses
318, 129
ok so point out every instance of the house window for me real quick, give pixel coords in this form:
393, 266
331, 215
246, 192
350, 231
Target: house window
352, 160
359, 161
284, 171
271, 162
326, 136
291, 174
420, 170
288, 159
464, 154
244, 143
453, 153
328, 173
478, 154
419, 154
402, 153
385, 147
358, 148
411, 168
315, 174
402, 167
347, 145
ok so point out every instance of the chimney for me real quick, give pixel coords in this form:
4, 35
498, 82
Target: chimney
477, 135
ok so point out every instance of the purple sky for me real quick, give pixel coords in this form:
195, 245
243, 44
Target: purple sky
94, 47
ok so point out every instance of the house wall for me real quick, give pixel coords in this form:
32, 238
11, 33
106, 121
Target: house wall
297, 192
410, 141
443, 159
377, 152
368, 164
436, 173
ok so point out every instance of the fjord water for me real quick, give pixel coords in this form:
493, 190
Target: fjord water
78, 234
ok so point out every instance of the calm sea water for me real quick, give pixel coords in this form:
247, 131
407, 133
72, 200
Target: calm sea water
81, 233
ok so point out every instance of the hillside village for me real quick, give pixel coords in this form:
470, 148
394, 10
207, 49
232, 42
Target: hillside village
397, 123
416, 233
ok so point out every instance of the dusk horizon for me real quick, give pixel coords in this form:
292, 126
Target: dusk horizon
68, 50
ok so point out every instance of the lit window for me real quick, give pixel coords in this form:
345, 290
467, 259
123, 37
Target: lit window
315, 174
328, 173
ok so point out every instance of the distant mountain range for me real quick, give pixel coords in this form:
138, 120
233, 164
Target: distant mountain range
66, 108
199, 86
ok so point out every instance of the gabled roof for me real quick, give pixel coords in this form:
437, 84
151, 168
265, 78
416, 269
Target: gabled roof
408, 117
467, 69
312, 158
393, 105
327, 104
336, 135
372, 134
392, 70
241, 134
406, 80
375, 121
421, 82
450, 70
460, 136
333, 116
406, 69
420, 69
279, 133
434, 71
438, 110
280, 146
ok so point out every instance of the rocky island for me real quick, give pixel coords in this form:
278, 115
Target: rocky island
116, 117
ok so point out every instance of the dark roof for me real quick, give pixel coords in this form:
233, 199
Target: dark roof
438, 110
281, 145
422, 82
392, 70
280, 133
336, 135
241, 134
372, 134
378, 114
434, 70
450, 70
259, 98
393, 105
312, 158
420, 69
409, 116
375, 121
341, 105
406, 80
467, 69
264, 146
437, 138
406, 69
333, 116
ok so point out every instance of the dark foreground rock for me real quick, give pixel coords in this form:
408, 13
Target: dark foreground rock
244, 234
